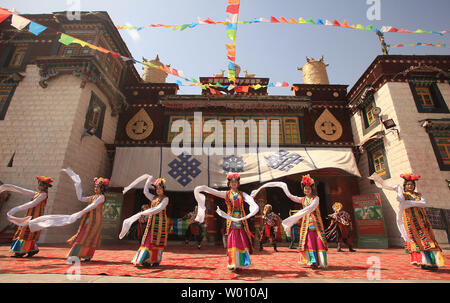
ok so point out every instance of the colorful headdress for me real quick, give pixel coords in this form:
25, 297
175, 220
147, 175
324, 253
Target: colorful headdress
410, 177
233, 176
44, 179
159, 182
307, 180
101, 181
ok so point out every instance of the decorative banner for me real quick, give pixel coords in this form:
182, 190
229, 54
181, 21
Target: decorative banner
231, 28
419, 44
234, 10
369, 221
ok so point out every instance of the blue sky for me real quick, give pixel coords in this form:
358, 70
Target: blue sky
267, 50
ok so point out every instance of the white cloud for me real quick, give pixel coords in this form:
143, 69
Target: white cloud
134, 34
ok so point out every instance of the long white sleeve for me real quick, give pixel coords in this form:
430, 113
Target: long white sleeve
200, 198
24, 221
77, 183
281, 185
17, 189
146, 189
151, 211
137, 181
290, 221
61, 220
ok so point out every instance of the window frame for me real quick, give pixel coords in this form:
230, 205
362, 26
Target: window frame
366, 126
440, 106
437, 152
4, 110
378, 146
95, 100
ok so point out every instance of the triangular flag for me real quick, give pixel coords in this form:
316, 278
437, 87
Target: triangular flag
263, 20
311, 21
320, 21
178, 82
369, 27
284, 84
232, 18
233, 9
344, 24
231, 26
336, 23
283, 20
184, 26
175, 27
200, 21
181, 74
301, 20
274, 20
393, 30
19, 22
66, 40
231, 58
4, 14
271, 85
209, 21
292, 20
385, 29
232, 35
174, 72
359, 26
36, 29
230, 46
328, 22
278, 84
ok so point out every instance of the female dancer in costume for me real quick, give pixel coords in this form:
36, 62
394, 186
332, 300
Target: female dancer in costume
24, 241
312, 245
239, 245
413, 223
88, 237
154, 239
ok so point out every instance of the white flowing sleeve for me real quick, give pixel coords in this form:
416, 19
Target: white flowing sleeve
379, 182
254, 208
77, 183
281, 185
17, 189
137, 181
24, 221
146, 189
151, 211
290, 221
61, 220
402, 205
200, 198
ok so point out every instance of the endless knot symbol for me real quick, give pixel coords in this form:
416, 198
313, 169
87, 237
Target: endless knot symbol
283, 160
184, 169
233, 164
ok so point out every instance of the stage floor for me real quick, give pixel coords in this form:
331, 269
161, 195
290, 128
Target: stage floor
210, 263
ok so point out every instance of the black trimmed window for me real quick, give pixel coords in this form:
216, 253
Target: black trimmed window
369, 119
376, 155
440, 140
95, 116
15, 57
6, 94
427, 97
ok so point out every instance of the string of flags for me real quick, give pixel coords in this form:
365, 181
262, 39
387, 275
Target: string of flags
419, 44
232, 19
21, 23
300, 20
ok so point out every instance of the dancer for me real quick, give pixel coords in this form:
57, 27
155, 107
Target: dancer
194, 229
88, 236
142, 223
269, 228
413, 223
24, 240
312, 244
154, 239
340, 228
238, 234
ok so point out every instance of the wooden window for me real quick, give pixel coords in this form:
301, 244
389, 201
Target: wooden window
370, 117
280, 130
6, 93
223, 121
173, 134
95, 115
377, 160
291, 131
18, 56
441, 145
239, 135
427, 97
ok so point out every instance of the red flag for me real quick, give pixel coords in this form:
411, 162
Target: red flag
4, 14
336, 23
174, 72
283, 20
345, 24
209, 21
233, 9
166, 69
393, 30
243, 89
231, 58
274, 20
115, 55
214, 91
285, 84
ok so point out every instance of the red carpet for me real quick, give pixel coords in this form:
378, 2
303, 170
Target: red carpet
183, 262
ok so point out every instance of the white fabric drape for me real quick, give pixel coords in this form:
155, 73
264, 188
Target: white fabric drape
19, 22
126, 225
403, 204
61, 220
13, 188
200, 198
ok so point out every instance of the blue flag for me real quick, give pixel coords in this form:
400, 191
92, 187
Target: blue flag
36, 29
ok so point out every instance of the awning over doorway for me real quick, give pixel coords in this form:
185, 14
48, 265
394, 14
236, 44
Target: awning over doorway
185, 172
